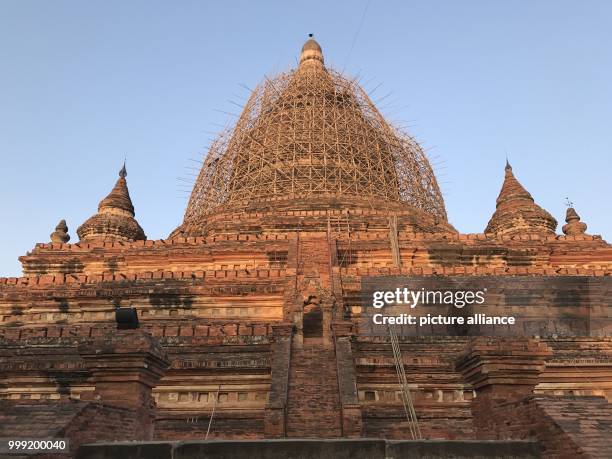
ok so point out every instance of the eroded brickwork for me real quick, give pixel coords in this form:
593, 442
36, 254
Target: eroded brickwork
213, 302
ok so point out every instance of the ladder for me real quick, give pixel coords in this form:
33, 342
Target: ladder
411, 416
395, 250
212, 414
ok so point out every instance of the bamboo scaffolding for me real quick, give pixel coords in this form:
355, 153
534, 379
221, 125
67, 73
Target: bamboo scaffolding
307, 133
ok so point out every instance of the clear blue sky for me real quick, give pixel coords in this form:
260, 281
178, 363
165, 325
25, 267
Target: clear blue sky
83, 84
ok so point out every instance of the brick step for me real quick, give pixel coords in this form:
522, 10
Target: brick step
313, 408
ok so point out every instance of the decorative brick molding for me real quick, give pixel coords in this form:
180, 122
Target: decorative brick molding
344, 328
501, 371
275, 424
504, 367
125, 367
352, 424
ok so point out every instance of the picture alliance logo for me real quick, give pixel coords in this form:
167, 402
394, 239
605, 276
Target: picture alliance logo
412, 298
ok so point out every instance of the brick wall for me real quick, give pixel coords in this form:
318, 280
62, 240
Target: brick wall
541, 418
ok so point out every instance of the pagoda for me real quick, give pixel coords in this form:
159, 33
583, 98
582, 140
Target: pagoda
246, 320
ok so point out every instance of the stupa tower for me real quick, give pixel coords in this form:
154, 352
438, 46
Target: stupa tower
115, 218
516, 212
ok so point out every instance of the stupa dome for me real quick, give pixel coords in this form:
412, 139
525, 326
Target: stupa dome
516, 211
311, 51
573, 225
312, 138
115, 218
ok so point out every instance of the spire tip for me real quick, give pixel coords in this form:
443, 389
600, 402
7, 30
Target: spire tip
123, 171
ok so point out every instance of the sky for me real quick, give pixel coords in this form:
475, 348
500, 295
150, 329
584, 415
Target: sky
84, 85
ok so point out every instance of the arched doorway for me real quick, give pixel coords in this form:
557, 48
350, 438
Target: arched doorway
312, 319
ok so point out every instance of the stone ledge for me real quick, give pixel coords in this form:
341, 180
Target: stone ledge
84, 279
312, 448
475, 271
177, 241
212, 332
281, 236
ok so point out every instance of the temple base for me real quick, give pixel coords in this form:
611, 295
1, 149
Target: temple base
315, 448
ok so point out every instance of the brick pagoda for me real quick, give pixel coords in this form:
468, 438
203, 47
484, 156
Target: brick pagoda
251, 308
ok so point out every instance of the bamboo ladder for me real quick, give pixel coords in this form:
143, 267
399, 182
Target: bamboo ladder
411, 416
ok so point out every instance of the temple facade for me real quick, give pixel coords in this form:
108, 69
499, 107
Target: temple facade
250, 311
